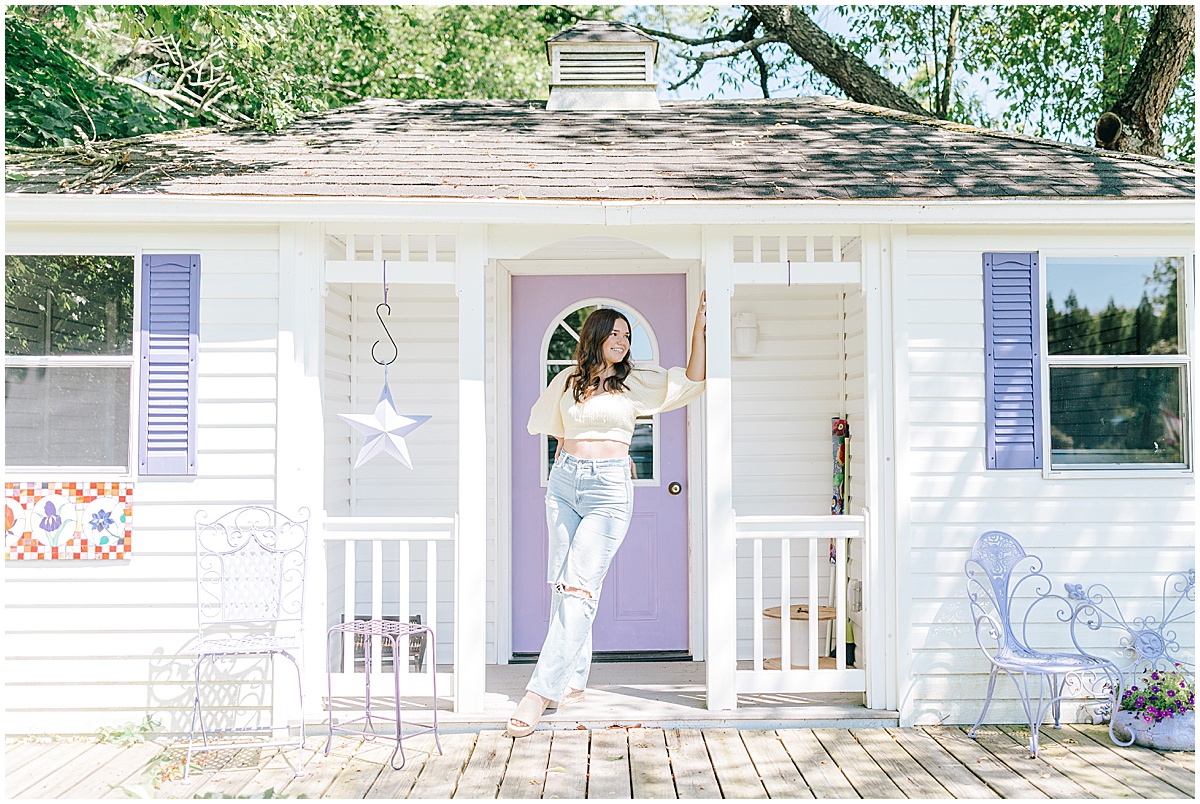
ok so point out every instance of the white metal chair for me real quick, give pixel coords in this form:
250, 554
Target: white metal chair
250, 565
1006, 586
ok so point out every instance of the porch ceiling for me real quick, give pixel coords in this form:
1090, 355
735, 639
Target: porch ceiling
784, 150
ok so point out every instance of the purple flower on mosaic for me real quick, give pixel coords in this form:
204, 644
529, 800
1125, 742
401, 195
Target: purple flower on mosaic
102, 520
51, 521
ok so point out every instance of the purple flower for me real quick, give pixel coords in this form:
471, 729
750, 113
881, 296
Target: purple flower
51, 521
101, 520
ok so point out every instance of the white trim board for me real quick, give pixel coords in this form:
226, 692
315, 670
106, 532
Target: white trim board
244, 209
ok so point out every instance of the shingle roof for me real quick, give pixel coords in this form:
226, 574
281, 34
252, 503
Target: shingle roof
795, 149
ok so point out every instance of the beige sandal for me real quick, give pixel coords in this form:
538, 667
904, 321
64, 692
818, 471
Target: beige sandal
572, 696
525, 719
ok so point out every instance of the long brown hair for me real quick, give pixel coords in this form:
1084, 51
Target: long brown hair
589, 355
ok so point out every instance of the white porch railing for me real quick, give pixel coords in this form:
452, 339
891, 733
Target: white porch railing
395, 587
804, 536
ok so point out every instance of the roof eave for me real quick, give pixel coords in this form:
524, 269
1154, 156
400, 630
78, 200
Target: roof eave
132, 209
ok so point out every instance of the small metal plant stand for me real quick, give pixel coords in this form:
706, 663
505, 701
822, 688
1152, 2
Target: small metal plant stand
1145, 644
397, 633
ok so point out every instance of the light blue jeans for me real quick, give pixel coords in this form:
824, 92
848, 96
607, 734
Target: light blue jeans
588, 506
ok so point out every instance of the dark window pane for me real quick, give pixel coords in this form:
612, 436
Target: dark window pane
1116, 415
642, 449
1113, 306
68, 305
66, 416
562, 345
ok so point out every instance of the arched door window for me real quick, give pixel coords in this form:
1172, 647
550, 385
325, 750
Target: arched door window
558, 353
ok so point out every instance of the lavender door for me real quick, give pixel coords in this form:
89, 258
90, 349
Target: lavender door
643, 606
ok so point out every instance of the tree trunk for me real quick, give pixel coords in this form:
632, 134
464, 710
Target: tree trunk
943, 110
1134, 123
859, 80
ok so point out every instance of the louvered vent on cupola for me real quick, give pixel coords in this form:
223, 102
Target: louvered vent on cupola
598, 65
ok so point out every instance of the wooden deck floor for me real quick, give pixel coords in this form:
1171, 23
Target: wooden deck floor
942, 762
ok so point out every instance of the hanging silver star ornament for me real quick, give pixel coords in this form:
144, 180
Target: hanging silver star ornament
385, 429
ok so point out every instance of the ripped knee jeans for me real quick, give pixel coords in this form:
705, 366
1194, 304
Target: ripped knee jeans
588, 506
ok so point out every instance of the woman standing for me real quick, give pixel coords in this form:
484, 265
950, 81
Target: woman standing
591, 409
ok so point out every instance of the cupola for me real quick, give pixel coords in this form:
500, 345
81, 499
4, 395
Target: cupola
597, 65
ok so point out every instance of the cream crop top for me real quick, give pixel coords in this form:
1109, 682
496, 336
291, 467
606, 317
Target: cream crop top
608, 416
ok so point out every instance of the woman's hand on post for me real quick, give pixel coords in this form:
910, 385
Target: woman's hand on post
696, 362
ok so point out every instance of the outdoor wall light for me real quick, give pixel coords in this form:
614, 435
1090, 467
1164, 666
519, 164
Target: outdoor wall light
745, 334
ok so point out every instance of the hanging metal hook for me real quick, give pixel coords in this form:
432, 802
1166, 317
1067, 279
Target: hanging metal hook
395, 349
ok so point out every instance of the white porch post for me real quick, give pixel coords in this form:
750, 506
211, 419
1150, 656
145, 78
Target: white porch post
720, 566
470, 602
299, 445
882, 606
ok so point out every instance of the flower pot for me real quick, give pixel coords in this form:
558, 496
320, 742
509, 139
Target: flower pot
1170, 734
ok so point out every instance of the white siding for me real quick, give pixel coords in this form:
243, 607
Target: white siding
784, 398
99, 643
1127, 531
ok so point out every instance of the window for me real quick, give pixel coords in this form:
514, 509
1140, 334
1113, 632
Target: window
1117, 362
559, 353
68, 361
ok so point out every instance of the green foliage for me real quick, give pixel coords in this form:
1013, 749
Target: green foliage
53, 99
262, 64
128, 734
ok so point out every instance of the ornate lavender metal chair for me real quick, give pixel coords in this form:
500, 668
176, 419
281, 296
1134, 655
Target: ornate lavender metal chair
1005, 587
1143, 644
250, 589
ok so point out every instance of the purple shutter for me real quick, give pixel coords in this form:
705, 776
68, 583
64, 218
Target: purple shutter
170, 335
1012, 342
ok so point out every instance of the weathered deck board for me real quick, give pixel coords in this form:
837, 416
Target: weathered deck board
815, 764
525, 775
1076, 762
949, 772
360, 773
735, 772
775, 768
1041, 772
277, 774
485, 768
22, 777
1180, 776
566, 776
904, 771
1099, 785
863, 772
441, 772
126, 765
608, 765
1004, 780
1113, 763
649, 768
693, 772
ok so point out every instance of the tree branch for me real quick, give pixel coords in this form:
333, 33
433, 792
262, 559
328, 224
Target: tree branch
848, 72
764, 72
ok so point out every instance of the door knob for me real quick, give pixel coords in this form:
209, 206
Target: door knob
674, 488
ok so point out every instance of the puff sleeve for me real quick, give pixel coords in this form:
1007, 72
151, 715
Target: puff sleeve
665, 389
546, 414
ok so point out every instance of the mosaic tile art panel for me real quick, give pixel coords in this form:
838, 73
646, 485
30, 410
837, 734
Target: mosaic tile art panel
68, 521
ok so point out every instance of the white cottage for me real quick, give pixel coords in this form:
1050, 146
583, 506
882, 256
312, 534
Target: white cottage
185, 323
